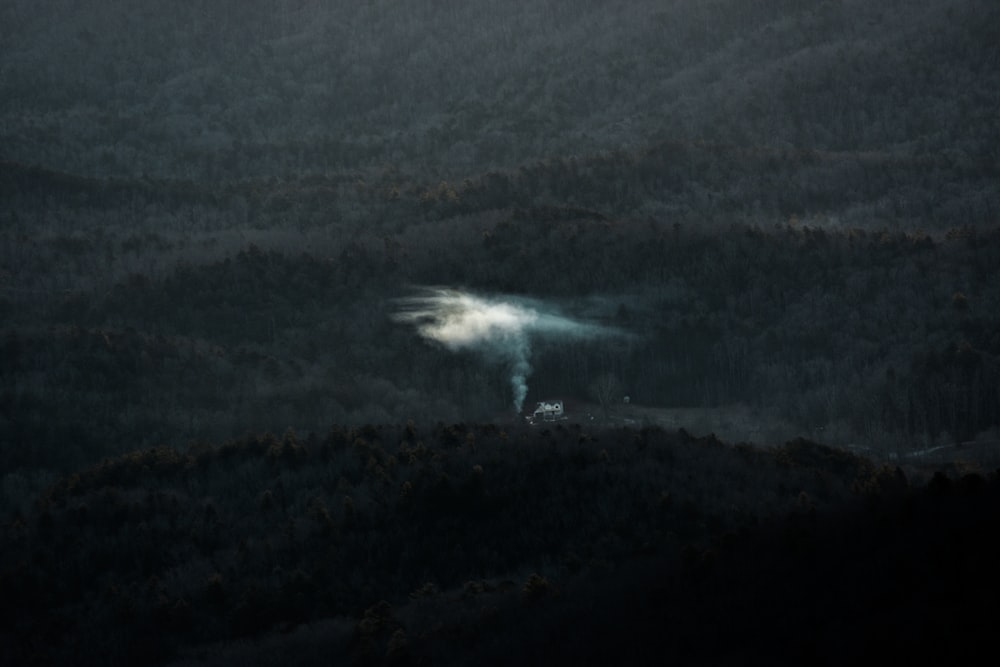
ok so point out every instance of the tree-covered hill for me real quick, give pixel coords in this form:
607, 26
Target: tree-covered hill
435, 544
215, 214
227, 90
853, 337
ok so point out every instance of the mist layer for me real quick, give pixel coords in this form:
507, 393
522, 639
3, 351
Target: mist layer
501, 328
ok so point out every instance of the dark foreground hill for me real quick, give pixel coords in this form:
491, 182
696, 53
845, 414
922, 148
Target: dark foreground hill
479, 544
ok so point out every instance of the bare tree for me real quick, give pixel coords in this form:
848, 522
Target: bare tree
607, 391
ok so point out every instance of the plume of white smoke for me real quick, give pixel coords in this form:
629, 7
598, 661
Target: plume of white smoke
501, 328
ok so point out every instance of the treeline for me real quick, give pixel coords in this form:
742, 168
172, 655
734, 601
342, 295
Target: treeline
376, 541
853, 337
702, 183
172, 547
68, 234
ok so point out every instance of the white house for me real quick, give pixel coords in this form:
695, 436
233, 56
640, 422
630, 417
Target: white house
548, 411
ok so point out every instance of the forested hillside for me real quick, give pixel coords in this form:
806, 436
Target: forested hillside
123, 339
220, 423
399, 545
230, 90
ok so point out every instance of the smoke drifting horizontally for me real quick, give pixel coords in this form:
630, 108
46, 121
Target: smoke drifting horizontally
502, 328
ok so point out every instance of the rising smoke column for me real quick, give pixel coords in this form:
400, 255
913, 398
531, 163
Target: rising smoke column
500, 328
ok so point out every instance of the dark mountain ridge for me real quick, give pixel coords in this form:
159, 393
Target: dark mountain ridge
225, 91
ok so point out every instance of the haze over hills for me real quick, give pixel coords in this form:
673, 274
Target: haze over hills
380, 229
842, 114
225, 91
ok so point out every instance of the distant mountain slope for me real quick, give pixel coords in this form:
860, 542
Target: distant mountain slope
228, 90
